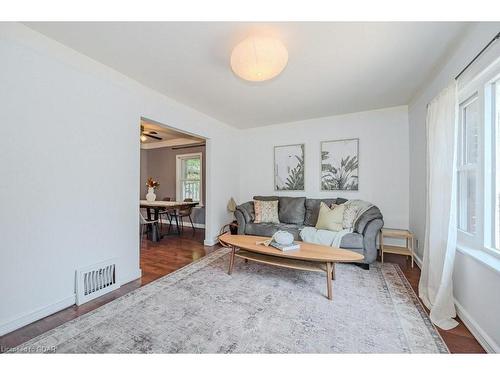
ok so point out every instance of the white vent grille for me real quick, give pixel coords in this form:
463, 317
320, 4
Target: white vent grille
95, 280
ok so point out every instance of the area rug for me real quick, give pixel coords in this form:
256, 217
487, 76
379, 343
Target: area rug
258, 309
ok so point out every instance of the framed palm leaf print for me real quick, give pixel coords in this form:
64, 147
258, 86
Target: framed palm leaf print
289, 167
340, 164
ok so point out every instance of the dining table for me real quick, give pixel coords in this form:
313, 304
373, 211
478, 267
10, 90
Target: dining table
153, 213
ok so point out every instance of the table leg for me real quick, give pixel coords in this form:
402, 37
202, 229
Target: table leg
177, 223
231, 260
412, 250
155, 236
333, 271
382, 247
329, 277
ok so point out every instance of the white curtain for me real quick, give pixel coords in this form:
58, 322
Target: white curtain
436, 283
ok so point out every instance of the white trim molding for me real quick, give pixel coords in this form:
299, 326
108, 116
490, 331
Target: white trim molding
35, 315
210, 241
28, 318
481, 336
170, 143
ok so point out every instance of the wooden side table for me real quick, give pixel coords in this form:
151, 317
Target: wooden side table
391, 249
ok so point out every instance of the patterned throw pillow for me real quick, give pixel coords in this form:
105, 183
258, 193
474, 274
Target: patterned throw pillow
350, 215
330, 218
266, 212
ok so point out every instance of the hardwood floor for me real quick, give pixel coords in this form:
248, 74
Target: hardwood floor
157, 260
173, 252
458, 339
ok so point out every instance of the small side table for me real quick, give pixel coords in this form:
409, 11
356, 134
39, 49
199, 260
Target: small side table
391, 249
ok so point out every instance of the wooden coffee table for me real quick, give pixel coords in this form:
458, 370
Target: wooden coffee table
310, 257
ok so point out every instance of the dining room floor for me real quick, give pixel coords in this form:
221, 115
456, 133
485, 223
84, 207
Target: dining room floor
171, 253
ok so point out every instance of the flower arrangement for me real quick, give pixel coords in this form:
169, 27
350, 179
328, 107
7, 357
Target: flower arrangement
152, 183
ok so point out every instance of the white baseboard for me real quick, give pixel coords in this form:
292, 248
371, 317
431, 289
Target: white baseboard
35, 315
418, 260
186, 224
196, 225
137, 274
210, 241
43, 312
481, 336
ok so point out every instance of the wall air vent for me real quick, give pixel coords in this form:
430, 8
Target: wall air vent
95, 281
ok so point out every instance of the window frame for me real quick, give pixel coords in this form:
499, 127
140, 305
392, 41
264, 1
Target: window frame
178, 173
466, 166
483, 85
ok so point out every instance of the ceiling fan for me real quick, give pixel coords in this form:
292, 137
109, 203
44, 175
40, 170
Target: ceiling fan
150, 134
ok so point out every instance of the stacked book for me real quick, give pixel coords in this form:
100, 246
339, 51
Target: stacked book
292, 246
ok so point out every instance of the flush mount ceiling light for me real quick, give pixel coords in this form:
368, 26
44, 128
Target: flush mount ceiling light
259, 58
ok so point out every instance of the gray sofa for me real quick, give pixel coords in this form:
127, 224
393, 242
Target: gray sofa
298, 212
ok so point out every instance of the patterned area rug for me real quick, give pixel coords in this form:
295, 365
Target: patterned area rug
258, 309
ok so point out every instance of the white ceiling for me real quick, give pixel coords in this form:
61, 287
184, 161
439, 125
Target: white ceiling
169, 137
333, 68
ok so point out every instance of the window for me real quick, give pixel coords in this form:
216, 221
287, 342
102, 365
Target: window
468, 149
478, 155
496, 163
189, 177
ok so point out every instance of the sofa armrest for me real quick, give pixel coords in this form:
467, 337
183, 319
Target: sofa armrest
241, 221
370, 234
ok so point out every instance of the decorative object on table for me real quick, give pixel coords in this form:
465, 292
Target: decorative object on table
281, 238
152, 185
289, 167
266, 212
408, 250
339, 164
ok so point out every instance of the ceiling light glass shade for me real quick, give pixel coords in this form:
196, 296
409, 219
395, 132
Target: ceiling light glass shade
259, 58
143, 138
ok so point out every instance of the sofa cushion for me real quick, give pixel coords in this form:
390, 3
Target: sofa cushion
330, 218
266, 211
292, 210
352, 241
268, 229
312, 210
248, 211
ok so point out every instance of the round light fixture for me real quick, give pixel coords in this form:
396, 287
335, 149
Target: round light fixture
259, 58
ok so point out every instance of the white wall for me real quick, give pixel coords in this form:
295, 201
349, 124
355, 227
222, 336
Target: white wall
67, 198
383, 158
469, 274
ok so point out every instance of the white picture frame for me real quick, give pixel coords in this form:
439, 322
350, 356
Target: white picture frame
289, 167
339, 165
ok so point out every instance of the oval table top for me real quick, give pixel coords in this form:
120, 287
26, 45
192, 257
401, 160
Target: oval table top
308, 251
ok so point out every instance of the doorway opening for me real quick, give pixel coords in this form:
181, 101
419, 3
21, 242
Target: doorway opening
172, 199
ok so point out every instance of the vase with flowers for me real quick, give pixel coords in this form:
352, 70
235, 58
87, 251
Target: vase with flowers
152, 185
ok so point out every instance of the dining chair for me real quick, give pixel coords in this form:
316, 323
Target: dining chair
144, 222
182, 213
165, 212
